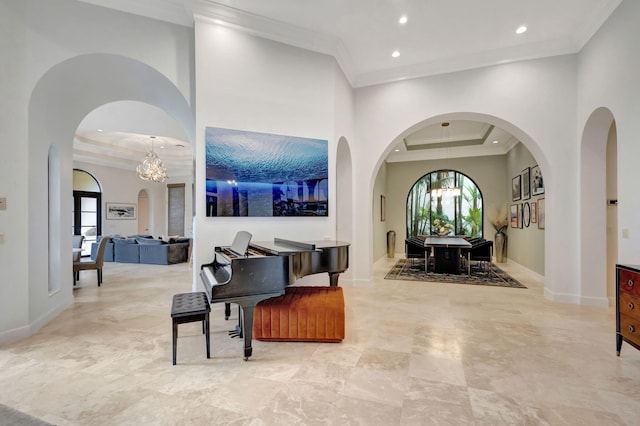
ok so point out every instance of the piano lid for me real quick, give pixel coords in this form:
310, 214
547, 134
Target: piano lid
280, 246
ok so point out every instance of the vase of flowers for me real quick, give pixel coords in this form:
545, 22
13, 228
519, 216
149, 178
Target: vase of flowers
500, 220
442, 228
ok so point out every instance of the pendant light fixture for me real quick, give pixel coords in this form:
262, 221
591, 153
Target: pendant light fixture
151, 167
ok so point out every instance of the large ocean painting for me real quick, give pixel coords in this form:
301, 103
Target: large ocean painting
261, 174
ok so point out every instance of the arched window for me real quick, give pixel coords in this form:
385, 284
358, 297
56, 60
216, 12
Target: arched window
444, 202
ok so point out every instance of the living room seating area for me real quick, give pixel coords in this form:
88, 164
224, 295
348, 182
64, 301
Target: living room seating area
145, 249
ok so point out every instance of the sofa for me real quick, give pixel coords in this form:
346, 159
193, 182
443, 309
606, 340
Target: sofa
146, 249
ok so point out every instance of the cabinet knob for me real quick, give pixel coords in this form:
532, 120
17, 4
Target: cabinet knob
630, 305
630, 283
632, 329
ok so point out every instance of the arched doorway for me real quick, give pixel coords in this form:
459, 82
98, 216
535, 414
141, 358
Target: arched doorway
87, 212
494, 179
106, 78
597, 177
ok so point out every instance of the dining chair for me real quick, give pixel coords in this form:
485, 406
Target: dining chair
86, 265
77, 244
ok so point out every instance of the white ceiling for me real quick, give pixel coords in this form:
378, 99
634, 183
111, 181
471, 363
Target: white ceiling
440, 36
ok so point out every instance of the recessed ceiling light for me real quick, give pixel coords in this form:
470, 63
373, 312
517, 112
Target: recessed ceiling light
495, 141
402, 20
99, 130
397, 150
395, 54
521, 29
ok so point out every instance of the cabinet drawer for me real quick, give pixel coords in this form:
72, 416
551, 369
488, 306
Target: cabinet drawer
629, 282
630, 328
629, 305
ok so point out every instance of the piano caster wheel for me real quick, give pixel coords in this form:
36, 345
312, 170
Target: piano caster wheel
246, 358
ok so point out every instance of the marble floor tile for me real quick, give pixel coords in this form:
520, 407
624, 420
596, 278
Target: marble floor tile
413, 354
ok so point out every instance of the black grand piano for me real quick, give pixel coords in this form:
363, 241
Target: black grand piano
247, 272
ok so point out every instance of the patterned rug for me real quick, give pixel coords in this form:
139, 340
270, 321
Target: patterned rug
405, 269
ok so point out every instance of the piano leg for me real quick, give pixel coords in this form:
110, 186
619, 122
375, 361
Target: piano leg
227, 310
237, 332
244, 329
333, 278
247, 328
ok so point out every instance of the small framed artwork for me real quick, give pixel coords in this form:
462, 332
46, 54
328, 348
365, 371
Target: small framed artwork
534, 211
541, 213
520, 216
526, 215
537, 183
513, 216
516, 188
383, 208
526, 183
121, 211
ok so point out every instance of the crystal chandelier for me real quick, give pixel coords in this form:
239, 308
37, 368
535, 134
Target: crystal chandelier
151, 167
438, 192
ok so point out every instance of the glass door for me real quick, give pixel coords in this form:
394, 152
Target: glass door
86, 218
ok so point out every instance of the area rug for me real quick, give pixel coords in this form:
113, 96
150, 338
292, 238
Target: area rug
413, 270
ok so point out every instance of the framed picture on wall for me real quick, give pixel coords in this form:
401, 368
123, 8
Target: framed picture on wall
513, 216
537, 183
520, 216
516, 184
526, 183
534, 211
383, 208
121, 211
526, 214
541, 213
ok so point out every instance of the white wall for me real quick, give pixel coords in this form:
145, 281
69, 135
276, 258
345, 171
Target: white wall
54, 80
608, 79
380, 228
533, 100
253, 84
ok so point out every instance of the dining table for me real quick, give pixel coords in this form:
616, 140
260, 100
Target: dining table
447, 258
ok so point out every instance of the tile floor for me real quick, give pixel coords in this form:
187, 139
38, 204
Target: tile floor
414, 354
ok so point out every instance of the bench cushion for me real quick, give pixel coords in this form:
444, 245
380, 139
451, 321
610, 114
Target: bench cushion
303, 314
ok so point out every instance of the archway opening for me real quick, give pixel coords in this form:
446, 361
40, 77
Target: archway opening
106, 78
598, 165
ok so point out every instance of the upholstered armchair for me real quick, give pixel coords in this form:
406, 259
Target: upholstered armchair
415, 249
481, 250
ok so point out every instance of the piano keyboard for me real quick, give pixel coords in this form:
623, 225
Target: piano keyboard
217, 275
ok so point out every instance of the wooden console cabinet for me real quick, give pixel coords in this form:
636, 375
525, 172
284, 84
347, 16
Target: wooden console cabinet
627, 306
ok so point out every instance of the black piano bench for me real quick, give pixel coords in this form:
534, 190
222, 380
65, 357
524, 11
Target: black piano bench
190, 307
